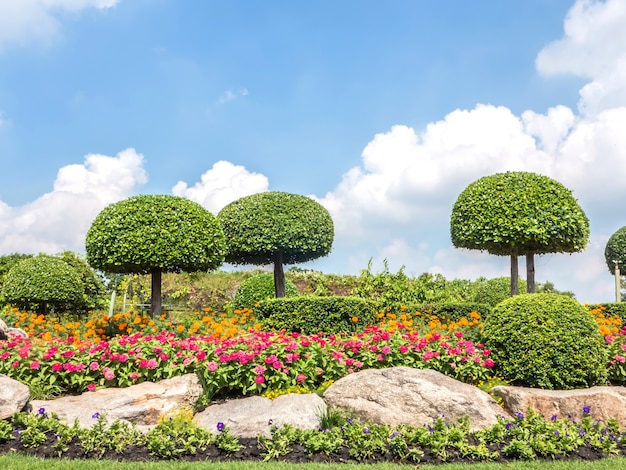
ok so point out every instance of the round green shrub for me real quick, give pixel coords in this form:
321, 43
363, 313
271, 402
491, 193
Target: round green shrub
260, 287
44, 283
547, 341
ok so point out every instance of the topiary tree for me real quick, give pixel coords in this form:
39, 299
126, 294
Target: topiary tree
276, 227
155, 234
44, 282
260, 287
493, 291
518, 213
546, 341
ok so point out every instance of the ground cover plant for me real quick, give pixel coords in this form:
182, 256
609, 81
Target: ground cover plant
527, 437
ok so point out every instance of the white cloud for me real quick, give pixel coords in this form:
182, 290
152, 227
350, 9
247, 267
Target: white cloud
593, 48
230, 95
222, 184
59, 220
24, 21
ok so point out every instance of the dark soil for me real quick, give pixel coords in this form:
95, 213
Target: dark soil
252, 452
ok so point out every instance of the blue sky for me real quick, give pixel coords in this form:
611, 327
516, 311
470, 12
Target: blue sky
382, 111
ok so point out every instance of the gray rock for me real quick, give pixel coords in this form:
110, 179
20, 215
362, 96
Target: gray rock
254, 416
603, 402
4, 330
403, 395
141, 404
14, 396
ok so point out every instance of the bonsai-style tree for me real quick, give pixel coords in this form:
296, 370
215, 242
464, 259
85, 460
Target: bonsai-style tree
155, 234
276, 227
93, 285
45, 283
615, 253
518, 213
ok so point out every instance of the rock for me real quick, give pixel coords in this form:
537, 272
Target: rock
254, 416
4, 330
14, 396
17, 332
141, 404
603, 402
403, 395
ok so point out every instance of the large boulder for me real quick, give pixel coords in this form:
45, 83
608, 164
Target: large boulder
4, 330
403, 395
254, 416
141, 404
603, 402
14, 396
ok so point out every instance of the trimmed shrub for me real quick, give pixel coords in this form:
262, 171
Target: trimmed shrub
44, 283
547, 341
260, 287
310, 315
452, 310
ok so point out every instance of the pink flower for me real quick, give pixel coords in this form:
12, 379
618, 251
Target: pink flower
380, 358
608, 339
164, 357
300, 378
619, 358
57, 367
486, 352
385, 350
94, 366
488, 363
277, 364
403, 349
15, 365
212, 366
91, 387
260, 370
133, 375
358, 364
477, 359
34, 365
458, 334
259, 379
271, 359
152, 364
108, 373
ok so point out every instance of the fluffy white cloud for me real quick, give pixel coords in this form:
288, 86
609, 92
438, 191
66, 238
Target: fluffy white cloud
23, 21
593, 48
222, 184
59, 220
230, 95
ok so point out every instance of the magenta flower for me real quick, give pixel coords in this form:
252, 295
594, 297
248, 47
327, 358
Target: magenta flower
34, 365
91, 387
108, 373
212, 366
94, 366
259, 379
300, 378
259, 370
57, 367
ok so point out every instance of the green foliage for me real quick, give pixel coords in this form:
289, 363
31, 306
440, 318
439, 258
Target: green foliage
493, 291
309, 315
615, 250
260, 287
516, 213
258, 226
452, 310
93, 285
44, 282
148, 232
548, 341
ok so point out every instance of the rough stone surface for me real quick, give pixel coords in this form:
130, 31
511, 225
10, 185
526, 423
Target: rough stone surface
251, 417
4, 330
141, 404
403, 395
14, 396
604, 402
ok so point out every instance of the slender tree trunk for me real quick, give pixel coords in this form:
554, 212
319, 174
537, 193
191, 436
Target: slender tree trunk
514, 275
279, 275
530, 273
155, 302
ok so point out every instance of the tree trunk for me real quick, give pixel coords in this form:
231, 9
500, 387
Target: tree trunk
530, 273
514, 275
155, 301
279, 275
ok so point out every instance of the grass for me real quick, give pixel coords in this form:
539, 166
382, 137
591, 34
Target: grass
16, 462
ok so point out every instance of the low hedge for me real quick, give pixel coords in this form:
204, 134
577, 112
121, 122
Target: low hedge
310, 315
451, 310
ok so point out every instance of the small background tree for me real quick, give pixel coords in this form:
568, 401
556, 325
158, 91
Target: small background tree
276, 227
518, 213
615, 251
44, 283
155, 234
